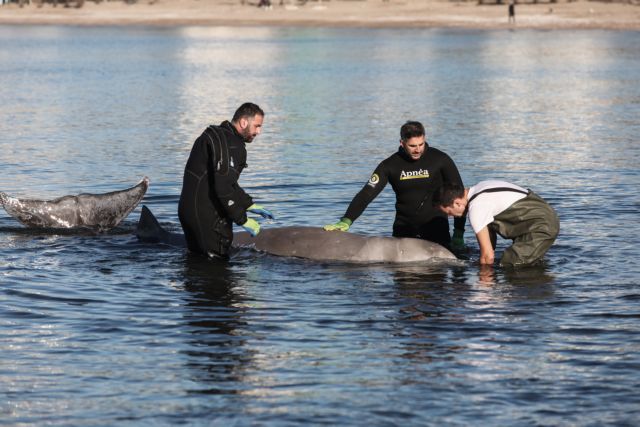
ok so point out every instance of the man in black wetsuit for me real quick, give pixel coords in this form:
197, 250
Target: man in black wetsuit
415, 172
211, 197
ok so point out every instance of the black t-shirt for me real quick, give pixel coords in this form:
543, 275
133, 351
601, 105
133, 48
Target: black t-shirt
414, 182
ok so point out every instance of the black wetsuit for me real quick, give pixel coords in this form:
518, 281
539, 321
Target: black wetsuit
414, 182
211, 197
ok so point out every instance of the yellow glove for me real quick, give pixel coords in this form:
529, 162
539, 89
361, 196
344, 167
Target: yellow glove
457, 241
252, 227
258, 209
342, 225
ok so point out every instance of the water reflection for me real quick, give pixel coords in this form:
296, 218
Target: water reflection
216, 350
498, 286
440, 309
521, 276
431, 301
89, 108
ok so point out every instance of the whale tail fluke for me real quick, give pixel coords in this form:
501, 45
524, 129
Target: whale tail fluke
149, 230
100, 212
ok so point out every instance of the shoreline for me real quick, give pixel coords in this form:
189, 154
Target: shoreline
580, 14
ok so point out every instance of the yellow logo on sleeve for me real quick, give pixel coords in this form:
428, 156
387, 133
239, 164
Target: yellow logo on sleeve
374, 180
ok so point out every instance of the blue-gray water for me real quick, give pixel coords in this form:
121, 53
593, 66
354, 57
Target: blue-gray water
103, 330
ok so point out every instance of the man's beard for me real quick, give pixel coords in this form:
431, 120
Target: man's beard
246, 135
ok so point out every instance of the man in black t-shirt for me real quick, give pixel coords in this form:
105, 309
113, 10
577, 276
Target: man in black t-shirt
415, 172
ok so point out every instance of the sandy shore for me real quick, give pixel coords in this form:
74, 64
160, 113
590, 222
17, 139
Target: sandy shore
347, 13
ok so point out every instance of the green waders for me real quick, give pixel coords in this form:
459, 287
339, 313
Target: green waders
532, 224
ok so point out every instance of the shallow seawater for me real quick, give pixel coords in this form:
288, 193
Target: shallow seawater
100, 329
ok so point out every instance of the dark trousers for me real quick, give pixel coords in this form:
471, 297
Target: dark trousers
436, 230
213, 240
533, 226
205, 230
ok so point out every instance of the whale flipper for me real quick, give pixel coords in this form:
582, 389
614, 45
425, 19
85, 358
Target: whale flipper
101, 212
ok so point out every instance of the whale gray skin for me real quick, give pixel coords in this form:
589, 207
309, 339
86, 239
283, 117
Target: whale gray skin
321, 245
100, 212
312, 243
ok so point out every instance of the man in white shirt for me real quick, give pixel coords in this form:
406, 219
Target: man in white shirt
499, 207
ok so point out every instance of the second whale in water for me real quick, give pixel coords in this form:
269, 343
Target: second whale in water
101, 212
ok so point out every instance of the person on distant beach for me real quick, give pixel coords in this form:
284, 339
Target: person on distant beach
499, 207
211, 197
512, 12
415, 171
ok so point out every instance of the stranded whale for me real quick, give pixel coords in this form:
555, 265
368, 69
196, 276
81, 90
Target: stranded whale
95, 211
311, 243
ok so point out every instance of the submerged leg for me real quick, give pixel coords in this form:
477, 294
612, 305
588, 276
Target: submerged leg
527, 249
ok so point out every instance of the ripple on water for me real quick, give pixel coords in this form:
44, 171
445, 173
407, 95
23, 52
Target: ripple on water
100, 329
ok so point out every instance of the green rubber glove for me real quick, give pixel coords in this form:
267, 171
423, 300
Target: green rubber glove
342, 225
457, 241
252, 227
258, 209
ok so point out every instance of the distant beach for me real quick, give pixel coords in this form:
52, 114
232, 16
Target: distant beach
336, 13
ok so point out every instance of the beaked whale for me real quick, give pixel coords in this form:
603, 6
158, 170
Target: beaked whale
312, 243
100, 212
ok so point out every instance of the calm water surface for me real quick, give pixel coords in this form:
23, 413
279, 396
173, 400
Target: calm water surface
103, 330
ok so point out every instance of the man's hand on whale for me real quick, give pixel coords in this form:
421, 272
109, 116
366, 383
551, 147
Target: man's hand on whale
252, 227
342, 225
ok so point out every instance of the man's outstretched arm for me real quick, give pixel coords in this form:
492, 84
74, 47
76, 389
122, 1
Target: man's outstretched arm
487, 253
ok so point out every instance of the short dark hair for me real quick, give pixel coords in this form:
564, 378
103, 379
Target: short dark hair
247, 109
411, 130
446, 194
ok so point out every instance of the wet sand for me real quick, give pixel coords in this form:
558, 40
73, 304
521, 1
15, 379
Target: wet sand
335, 13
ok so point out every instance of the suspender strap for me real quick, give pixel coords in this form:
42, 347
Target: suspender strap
496, 190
